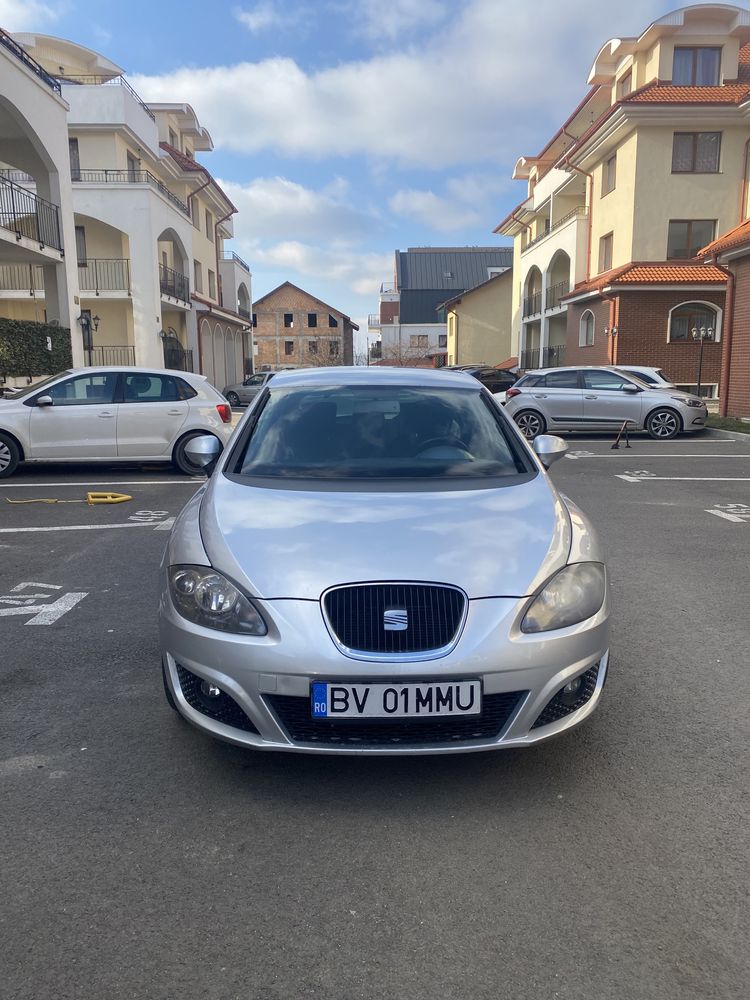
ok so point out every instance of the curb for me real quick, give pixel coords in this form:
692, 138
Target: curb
731, 435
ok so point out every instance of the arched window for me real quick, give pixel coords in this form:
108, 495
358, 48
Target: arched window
689, 316
586, 330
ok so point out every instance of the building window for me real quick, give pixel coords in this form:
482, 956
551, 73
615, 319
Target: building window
625, 86
443, 340
693, 316
333, 348
134, 169
696, 152
332, 322
288, 320
710, 391
255, 319
605, 252
586, 330
312, 346
696, 67
173, 140
312, 320
688, 236
75, 160
418, 340
609, 175
288, 347
211, 284
81, 246
198, 276
209, 226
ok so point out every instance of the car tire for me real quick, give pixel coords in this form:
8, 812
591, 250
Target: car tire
182, 460
10, 456
167, 690
530, 423
233, 399
663, 424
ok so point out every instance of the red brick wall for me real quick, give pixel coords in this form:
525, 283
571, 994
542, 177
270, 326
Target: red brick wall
597, 353
738, 400
271, 334
642, 336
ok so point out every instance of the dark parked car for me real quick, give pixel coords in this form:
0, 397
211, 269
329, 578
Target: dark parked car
495, 379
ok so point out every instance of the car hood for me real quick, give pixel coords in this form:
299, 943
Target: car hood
292, 544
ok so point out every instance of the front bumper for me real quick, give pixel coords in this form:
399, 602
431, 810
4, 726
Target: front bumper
268, 678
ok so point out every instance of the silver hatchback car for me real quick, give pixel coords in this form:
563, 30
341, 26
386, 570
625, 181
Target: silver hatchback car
600, 399
379, 564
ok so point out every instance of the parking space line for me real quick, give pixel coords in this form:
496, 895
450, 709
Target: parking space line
84, 527
682, 479
650, 457
110, 482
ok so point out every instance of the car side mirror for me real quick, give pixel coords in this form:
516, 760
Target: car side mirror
204, 450
44, 401
549, 448
630, 388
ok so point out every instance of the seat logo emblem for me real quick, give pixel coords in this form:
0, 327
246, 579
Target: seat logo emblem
395, 620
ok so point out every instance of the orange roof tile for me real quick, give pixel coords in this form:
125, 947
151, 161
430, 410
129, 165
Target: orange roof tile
189, 164
734, 238
652, 273
667, 93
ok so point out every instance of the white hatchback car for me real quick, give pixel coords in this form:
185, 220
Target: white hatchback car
111, 415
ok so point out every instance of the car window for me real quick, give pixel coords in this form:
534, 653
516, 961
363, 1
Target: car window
29, 389
605, 381
528, 380
141, 388
84, 389
643, 376
254, 380
378, 432
560, 380
184, 389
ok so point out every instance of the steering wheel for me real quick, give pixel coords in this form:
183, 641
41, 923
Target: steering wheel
449, 440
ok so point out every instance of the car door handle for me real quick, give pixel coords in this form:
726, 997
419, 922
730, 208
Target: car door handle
106, 414
590, 397
540, 395
174, 413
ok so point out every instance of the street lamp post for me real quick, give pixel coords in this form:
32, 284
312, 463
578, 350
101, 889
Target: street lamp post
702, 335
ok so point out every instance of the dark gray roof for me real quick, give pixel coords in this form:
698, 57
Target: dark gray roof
420, 305
429, 267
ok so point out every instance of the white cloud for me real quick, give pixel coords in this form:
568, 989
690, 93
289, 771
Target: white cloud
392, 20
359, 272
259, 18
26, 15
431, 210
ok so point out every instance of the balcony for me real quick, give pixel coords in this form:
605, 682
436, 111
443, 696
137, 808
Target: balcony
231, 255
98, 274
555, 294
547, 357
532, 304
174, 284
104, 81
26, 214
21, 54
388, 286
178, 359
110, 355
577, 213
114, 176
28, 278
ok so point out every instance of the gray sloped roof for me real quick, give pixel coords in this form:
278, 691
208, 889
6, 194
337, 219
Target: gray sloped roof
429, 267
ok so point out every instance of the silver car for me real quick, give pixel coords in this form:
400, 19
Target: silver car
242, 393
379, 564
600, 399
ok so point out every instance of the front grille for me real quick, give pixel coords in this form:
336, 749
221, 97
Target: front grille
222, 709
433, 614
558, 707
294, 715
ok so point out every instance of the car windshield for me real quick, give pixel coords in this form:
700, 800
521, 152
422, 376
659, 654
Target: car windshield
39, 385
379, 432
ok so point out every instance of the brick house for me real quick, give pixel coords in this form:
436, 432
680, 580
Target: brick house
732, 250
652, 314
294, 329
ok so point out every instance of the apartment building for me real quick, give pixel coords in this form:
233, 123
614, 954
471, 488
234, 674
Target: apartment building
37, 234
410, 323
479, 323
148, 227
649, 168
295, 329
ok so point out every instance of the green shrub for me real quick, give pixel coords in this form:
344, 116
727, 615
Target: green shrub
23, 348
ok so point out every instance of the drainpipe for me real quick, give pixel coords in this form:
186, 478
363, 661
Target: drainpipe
726, 350
743, 183
572, 166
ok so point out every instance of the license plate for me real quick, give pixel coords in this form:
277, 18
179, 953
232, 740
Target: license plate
330, 700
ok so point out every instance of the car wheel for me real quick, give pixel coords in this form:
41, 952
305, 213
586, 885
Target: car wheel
10, 456
530, 423
167, 691
183, 461
233, 399
663, 424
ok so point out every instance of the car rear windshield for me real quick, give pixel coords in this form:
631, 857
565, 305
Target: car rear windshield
379, 432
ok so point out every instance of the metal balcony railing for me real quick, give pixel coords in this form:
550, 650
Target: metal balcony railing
388, 286
555, 293
26, 214
21, 277
107, 354
103, 81
108, 176
19, 176
548, 357
532, 304
99, 274
231, 255
178, 359
173, 283
373, 319
20, 53
577, 212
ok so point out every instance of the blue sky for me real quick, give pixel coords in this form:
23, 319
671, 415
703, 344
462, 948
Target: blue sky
344, 129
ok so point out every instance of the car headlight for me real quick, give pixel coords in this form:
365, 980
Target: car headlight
689, 402
571, 596
207, 598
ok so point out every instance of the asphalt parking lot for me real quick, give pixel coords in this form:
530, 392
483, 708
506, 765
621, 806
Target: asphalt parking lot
140, 859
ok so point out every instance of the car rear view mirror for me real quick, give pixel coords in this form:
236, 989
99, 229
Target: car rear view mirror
203, 451
44, 401
549, 448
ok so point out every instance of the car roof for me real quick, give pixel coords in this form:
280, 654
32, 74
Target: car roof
375, 374
575, 368
131, 370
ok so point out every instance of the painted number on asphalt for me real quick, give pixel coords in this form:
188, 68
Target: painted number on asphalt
737, 513
145, 516
36, 600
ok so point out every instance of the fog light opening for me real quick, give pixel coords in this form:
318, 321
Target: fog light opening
209, 690
571, 691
